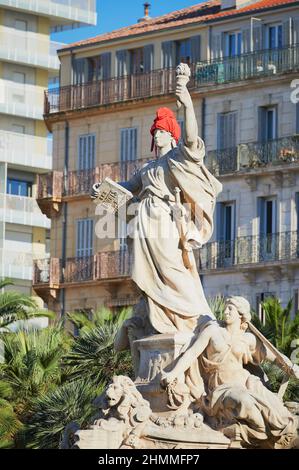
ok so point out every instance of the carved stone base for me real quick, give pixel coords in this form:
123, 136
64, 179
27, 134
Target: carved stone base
155, 354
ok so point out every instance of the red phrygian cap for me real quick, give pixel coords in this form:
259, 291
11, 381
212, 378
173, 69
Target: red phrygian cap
165, 119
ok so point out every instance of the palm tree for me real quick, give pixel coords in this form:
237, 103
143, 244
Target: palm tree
217, 305
279, 326
9, 423
94, 359
51, 413
33, 363
103, 316
15, 306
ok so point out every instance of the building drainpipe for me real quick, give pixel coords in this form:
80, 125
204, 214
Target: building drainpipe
64, 222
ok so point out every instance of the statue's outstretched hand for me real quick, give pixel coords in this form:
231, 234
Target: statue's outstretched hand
182, 94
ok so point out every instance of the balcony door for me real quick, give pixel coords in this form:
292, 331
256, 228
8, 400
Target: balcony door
81, 268
227, 141
268, 132
84, 178
274, 37
226, 217
268, 239
128, 152
233, 44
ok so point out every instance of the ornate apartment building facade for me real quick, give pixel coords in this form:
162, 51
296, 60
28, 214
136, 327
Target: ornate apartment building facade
28, 62
244, 57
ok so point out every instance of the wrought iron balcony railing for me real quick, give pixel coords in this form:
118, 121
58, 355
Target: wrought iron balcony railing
254, 155
162, 82
250, 250
113, 90
80, 182
109, 265
53, 186
251, 65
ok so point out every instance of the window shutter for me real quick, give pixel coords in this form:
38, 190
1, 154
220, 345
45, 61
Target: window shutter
80, 71
258, 37
148, 57
219, 221
106, 65
220, 131
195, 48
216, 46
287, 28
121, 63
296, 30
246, 40
128, 144
84, 242
86, 157
262, 124
261, 215
168, 54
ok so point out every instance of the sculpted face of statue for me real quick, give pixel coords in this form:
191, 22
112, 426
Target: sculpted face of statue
163, 139
231, 314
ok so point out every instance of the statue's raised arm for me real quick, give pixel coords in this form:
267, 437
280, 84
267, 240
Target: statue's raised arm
190, 136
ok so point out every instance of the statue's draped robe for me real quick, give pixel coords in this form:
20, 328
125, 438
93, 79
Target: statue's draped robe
175, 296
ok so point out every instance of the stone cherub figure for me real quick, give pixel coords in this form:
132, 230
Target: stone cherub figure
169, 283
234, 400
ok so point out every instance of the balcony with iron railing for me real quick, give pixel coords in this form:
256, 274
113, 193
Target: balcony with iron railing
60, 11
250, 252
53, 187
20, 99
256, 64
28, 48
276, 152
259, 64
103, 266
22, 210
26, 150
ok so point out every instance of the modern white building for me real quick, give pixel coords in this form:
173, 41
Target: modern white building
28, 62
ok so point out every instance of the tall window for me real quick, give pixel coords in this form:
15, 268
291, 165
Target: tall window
183, 51
268, 123
274, 36
225, 224
86, 154
268, 240
233, 44
128, 144
227, 141
227, 137
18, 187
84, 238
136, 61
128, 150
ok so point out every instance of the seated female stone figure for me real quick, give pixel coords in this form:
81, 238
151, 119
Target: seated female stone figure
232, 398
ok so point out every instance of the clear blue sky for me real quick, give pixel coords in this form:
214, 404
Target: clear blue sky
114, 14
